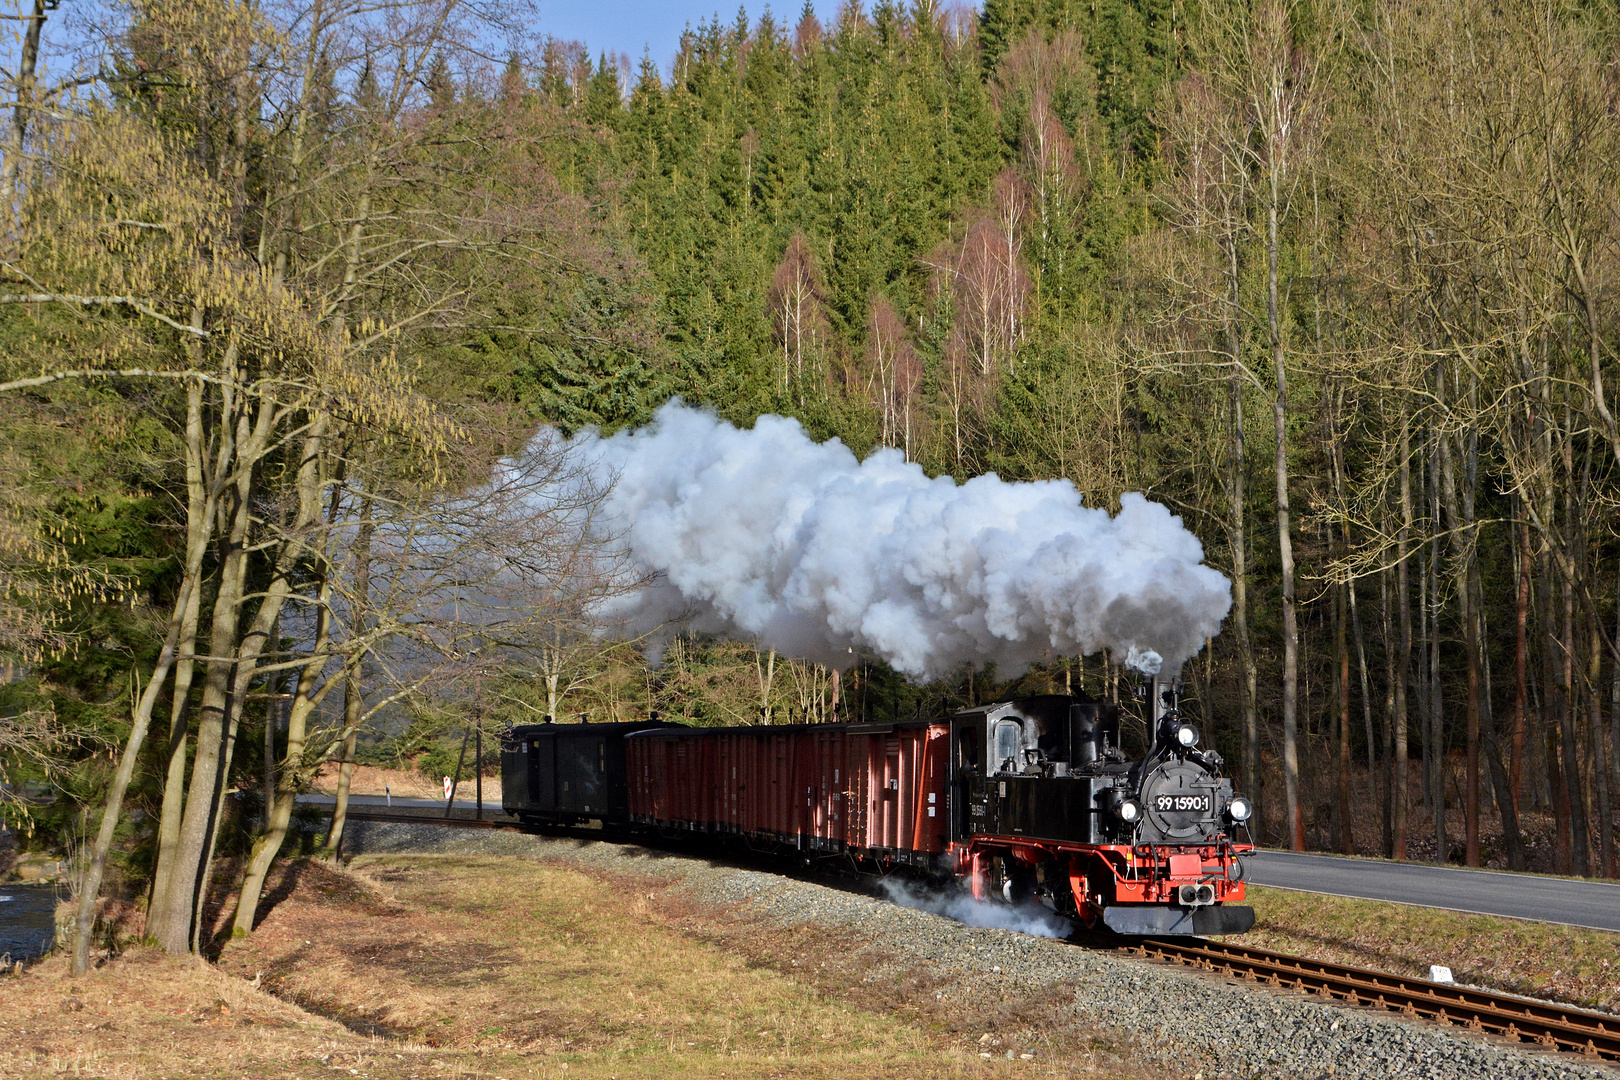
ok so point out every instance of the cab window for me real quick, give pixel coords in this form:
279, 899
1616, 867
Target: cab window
1008, 746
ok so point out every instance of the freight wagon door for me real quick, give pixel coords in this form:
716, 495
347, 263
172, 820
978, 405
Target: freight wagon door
830, 786
615, 779
857, 790
889, 797
543, 771
581, 762
531, 770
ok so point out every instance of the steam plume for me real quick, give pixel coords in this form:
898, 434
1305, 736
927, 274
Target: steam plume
768, 535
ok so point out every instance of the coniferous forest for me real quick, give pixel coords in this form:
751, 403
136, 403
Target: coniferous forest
1334, 282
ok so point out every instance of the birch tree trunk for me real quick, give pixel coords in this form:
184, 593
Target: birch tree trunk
766, 675
353, 691
1436, 740
279, 814
90, 890
184, 608
1463, 553
1237, 531
1521, 657
1285, 543
1600, 758
199, 515
1614, 729
1341, 674
173, 932
1403, 590
17, 133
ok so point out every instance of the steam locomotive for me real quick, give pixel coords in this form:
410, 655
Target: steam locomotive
1030, 800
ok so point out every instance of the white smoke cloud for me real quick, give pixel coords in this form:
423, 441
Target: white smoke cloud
960, 907
766, 534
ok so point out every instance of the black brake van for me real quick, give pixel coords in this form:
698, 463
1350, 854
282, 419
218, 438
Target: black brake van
567, 774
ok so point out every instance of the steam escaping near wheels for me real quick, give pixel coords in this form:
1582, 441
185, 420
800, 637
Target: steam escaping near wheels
958, 906
765, 534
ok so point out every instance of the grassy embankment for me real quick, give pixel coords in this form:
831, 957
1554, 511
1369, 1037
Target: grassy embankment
507, 968
429, 967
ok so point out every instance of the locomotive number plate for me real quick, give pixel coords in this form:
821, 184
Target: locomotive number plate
1171, 803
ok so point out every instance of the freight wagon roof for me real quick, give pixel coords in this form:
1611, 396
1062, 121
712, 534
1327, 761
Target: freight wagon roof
1031, 705
676, 730
626, 728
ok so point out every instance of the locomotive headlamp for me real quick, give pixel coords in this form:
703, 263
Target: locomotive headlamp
1129, 811
1240, 809
1187, 735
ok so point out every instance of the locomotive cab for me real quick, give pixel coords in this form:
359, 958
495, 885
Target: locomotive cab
1043, 767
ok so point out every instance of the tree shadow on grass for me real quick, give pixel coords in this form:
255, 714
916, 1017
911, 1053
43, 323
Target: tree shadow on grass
219, 903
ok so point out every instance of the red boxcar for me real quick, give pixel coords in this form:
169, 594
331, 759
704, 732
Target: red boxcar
872, 790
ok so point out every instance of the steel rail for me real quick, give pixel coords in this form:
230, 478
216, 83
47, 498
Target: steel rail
1524, 1020
571, 832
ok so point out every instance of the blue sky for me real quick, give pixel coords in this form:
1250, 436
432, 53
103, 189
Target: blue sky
629, 26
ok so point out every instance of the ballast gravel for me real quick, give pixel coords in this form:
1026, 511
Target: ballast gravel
1201, 1025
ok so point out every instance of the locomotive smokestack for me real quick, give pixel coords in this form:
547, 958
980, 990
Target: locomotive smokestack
798, 546
1163, 692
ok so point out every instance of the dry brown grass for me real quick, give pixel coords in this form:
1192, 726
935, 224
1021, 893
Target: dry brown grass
985, 1017
483, 968
148, 1015
1563, 963
526, 967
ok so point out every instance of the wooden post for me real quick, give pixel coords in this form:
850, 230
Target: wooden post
478, 751
460, 760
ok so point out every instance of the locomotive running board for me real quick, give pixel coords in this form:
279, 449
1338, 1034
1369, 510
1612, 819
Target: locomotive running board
1154, 920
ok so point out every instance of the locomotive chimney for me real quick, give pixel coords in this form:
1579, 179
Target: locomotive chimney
1163, 690
1162, 693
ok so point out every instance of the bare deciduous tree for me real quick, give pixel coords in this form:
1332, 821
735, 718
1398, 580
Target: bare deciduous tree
796, 311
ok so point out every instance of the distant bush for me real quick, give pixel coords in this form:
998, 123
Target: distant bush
438, 759
384, 753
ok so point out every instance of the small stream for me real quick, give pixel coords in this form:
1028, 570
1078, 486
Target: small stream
27, 920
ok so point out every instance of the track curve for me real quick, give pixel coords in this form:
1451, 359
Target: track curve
1525, 1020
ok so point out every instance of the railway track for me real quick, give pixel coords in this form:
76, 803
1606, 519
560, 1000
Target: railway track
435, 819
1547, 1024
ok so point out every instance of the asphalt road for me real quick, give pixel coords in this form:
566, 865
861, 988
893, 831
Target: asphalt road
464, 801
1591, 904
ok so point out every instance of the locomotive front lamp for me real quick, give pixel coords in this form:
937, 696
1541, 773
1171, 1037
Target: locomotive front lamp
1240, 809
1129, 811
1187, 735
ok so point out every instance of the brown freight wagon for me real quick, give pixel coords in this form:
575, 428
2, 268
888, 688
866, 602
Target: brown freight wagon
874, 791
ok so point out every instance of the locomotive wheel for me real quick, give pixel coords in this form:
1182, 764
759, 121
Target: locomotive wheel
1018, 883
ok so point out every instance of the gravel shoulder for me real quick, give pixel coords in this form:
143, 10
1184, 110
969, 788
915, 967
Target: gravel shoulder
1196, 1025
